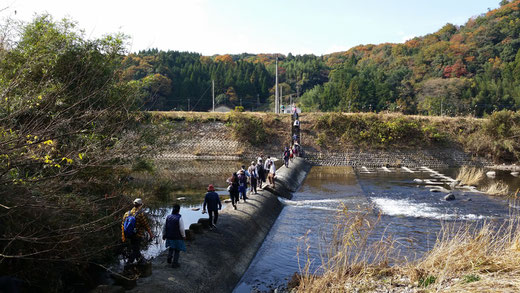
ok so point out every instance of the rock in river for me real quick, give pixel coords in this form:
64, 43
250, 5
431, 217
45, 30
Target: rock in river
449, 196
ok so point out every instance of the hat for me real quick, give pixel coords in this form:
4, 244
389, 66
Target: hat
211, 188
252, 162
138, 201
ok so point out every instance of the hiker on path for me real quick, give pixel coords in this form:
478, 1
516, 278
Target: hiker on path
242, 183
212, 201
296, 149
233, 189
286, 156
296, 124
253, 177
267, 163
272, 173
261, 172
174, 234
295, 138
133, 226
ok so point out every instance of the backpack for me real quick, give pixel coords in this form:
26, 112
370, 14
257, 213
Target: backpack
242, 178
130, 224
286, 154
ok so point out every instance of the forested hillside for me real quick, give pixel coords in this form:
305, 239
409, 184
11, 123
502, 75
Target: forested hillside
471, 69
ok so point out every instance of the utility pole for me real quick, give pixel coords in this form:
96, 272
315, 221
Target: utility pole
213, 93
297, 91
281, 95
276, 87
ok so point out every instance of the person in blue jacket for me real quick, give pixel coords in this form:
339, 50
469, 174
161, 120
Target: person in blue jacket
212, 201
174, 234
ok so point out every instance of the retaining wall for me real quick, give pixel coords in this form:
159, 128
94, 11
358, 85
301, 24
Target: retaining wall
215, 260
434, 158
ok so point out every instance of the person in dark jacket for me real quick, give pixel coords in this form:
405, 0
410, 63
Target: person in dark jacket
212, 201
233, 189
242, 183
174, 234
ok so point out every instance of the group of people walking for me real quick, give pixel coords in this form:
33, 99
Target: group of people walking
242, 183
251, 179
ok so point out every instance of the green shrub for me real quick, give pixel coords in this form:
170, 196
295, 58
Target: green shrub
433, 134
498, 138
425, 282
163, 190
470, 278
321, 140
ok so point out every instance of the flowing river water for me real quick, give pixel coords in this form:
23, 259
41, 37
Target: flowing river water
404, 208
409, 213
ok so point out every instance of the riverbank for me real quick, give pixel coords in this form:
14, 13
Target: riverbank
356, 139
215, 260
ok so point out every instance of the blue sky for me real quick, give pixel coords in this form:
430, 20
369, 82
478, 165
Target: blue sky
268, 26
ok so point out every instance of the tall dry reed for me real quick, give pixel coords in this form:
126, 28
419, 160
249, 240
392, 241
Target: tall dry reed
470, 175
467, 257
348, 256
497, 188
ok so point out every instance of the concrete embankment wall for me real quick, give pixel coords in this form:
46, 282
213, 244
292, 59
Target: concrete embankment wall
215, 260
214, 140
434, 158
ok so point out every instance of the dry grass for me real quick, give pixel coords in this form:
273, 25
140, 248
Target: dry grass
470, 175
497, 188
465, 258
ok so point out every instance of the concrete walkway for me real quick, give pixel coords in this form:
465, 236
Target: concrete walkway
216, 260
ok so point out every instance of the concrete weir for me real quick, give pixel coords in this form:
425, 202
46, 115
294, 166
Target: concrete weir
215, 260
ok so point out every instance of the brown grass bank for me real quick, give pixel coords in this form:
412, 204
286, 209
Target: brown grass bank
494, 137
465, 258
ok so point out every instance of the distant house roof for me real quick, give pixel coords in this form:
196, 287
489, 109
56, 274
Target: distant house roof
222, 109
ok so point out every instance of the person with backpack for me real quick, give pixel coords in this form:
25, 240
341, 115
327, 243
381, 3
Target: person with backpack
212, 201
253, 177
286, 156
174, 234
242, 183
233, 189
133, 226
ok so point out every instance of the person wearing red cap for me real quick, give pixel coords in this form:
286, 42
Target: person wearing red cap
212, 201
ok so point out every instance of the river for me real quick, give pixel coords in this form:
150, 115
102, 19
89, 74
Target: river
406, 211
